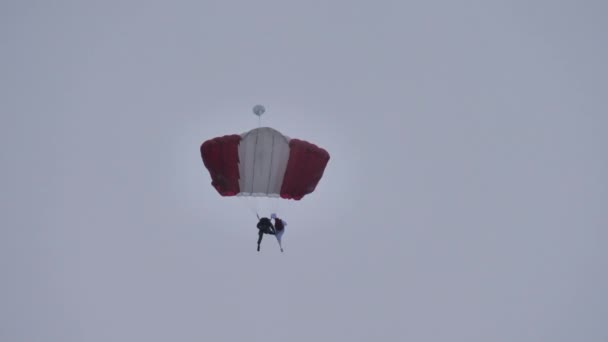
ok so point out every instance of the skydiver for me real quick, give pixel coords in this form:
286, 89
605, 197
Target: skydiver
279, 227
265, 227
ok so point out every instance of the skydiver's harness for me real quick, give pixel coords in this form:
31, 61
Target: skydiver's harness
265, 226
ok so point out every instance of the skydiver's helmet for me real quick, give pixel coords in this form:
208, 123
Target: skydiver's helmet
273, 216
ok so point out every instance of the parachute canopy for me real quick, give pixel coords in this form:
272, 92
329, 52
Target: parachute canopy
263, 162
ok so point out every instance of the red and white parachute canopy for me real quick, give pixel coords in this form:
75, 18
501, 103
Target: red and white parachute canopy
263, 162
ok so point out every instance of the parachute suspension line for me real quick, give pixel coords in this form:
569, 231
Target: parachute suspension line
251, 206
277, 207
257, 207
274, 207
256, 203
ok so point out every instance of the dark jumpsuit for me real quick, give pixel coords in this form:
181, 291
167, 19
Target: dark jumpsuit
265, 227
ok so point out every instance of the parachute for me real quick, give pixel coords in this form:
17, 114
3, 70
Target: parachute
263, 164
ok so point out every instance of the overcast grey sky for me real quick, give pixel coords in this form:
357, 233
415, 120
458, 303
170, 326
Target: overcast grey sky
465, 199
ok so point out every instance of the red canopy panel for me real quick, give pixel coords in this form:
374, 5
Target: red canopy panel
305, 168
221, 157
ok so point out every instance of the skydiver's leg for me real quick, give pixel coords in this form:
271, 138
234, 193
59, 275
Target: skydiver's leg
261, 234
